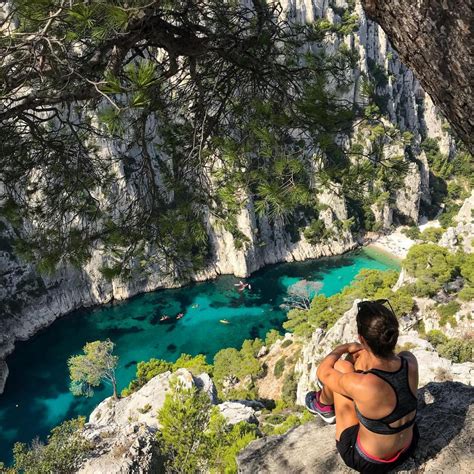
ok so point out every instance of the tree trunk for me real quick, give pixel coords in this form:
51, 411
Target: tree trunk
114, 386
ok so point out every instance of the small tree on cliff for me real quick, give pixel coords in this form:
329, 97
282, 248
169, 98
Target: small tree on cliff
301, 294
95, 366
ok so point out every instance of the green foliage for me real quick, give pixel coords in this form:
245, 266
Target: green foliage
288, 391
145, 372
467, 268
447, 310
241, 365
229, 443
467, 293
439, 163
145, 409
194, 436
315, 232
446, 219
401, 300
64, 450
277, 105
431, 234
286, 343
412, 232
436, 337
280, 424
184, 437
433, 266
89, 370
196, 365
272, 336
279, 367
457, 350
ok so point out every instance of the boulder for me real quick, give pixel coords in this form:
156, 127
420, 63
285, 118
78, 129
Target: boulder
139, 407
130, 451
445, 420
235, 412
123, 432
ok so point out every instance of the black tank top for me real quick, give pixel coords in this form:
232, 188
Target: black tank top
406, 401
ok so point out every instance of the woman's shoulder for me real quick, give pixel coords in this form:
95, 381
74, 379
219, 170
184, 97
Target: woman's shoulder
409, 357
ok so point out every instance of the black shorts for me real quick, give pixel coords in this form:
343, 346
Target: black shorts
354, 459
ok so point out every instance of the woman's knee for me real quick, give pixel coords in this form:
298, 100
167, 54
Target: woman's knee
344, 366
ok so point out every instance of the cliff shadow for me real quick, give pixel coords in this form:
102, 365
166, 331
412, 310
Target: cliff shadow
442, 415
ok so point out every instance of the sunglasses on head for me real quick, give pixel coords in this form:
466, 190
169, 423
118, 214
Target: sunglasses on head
369, 305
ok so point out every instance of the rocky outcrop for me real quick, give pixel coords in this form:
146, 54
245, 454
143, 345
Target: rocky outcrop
445, 419
461, 235
434, 38
123, 432
235, 412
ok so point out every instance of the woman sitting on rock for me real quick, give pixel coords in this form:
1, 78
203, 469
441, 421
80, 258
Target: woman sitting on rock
371, 394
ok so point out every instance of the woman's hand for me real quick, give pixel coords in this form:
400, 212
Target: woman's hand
354, 347
351, 348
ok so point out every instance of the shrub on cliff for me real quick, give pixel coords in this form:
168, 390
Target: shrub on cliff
412, 232
447, 311
194, 436
147, 370
457, 350
195, 364
242, 366
63, 451
431, 234
432, 265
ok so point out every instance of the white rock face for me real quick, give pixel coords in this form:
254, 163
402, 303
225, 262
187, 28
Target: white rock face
235, 412
142, 406
462, 234
3, 374
408, 198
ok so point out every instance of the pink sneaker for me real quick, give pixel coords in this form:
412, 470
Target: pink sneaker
326, 412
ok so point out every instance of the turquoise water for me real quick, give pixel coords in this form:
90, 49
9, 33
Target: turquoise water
36, 396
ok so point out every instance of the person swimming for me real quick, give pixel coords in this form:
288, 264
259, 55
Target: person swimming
241, 286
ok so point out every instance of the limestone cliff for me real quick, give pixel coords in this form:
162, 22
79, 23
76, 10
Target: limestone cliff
434, 38
461, 234
30, 301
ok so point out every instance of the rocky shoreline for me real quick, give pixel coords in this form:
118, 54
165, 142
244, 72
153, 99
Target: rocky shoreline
71, 289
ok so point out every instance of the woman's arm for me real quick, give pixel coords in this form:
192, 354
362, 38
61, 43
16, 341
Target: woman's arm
331, 377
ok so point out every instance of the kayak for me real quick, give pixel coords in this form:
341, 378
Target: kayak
224, 321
